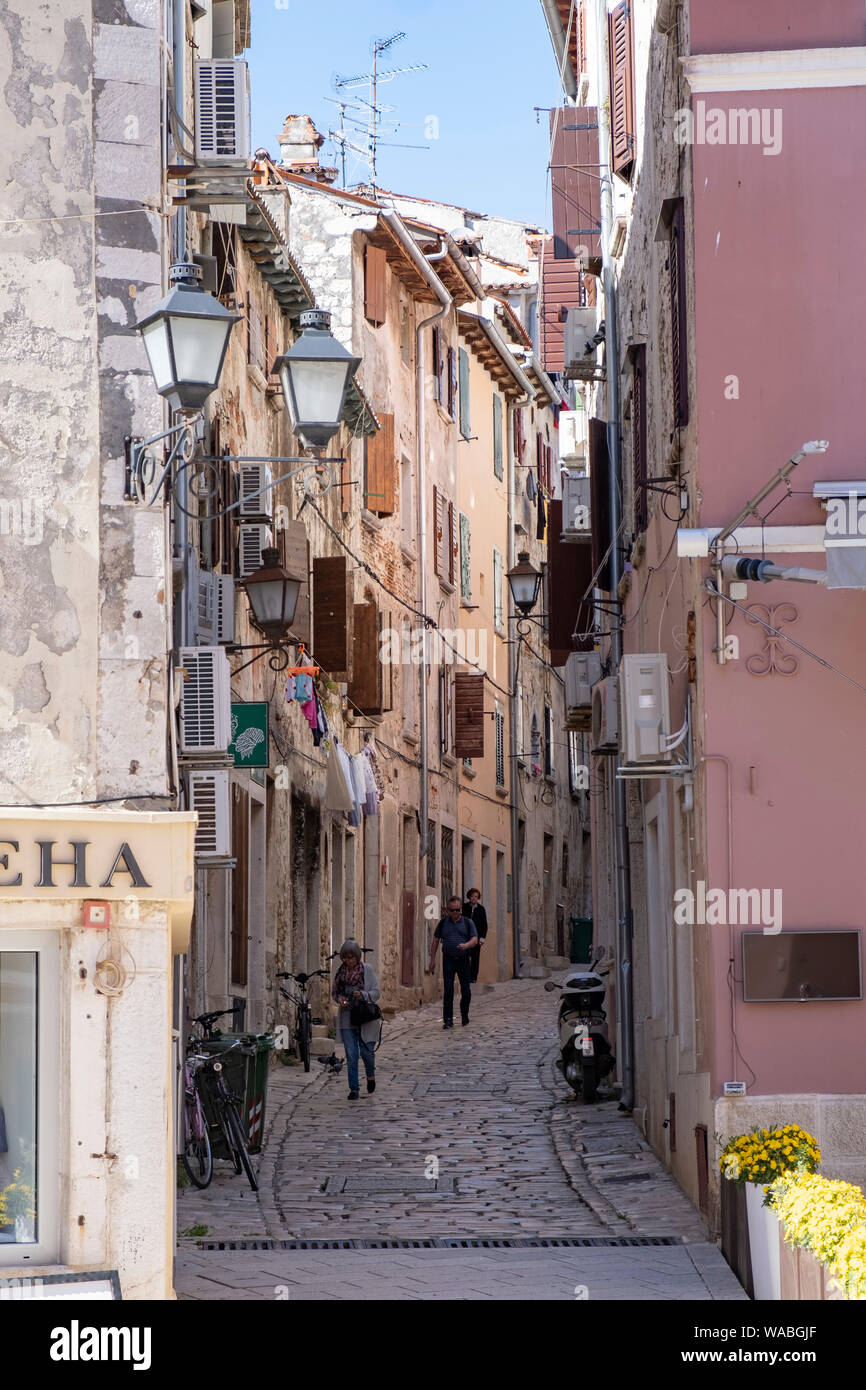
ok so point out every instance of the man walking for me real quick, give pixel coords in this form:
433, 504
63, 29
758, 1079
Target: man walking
457, 935
475, 913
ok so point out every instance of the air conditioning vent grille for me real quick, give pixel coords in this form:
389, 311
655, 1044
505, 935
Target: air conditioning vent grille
205, 702
209, 797
222, 110
252, 540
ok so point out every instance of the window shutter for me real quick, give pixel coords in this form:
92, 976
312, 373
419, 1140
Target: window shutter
580, 60
452, 545
464, 393
297, 559
575, 185
621, 89
437, 364
499, 725
332, 616
365, 689
438, 532
539, 459
240, 886
638, 439
468, 715
465, 561
452, 383
679, 341
379, 467
497, 436
497, 589
375, 261
599, 501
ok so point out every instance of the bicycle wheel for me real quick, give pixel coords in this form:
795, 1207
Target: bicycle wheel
197, 1157
225, 1109
305, 1035
240, 1145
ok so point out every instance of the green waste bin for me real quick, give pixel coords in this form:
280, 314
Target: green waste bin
581, 940
246, 1074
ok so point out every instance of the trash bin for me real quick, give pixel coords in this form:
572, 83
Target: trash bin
246, 1074
581, 940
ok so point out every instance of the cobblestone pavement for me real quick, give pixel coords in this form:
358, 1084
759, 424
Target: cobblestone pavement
471, 1133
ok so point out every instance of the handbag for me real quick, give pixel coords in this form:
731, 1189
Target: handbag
364, 1011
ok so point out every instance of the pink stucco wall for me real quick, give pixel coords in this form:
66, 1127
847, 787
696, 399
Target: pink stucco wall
780, 302
738, 26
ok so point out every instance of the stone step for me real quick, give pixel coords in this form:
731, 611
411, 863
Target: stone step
320, 1030
322, 1047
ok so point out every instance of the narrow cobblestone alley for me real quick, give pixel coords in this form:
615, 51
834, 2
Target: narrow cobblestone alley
514, 1156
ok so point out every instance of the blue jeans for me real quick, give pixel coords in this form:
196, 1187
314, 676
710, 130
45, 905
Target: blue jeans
354, 1044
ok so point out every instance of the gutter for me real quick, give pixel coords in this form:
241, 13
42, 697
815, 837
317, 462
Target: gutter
514, 661
557, 38
421, 263
497, 341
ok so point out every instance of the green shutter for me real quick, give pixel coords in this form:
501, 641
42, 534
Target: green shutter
465, 568
464, 394
497, 436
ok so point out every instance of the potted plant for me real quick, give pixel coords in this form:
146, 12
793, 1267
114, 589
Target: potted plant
16, 1207
755, 1160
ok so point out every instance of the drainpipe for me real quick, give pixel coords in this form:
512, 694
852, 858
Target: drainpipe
625, 1001
421, 263
557, 38
181, 521
514, 779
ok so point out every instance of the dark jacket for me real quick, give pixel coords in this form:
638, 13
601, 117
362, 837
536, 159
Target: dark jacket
478, 918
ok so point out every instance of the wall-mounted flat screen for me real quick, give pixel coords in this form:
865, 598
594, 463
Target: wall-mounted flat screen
801, 965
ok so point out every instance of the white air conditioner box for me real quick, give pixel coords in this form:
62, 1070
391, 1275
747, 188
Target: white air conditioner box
604, 716
210, 608
581, 325
222, 111
572, 436
205, 701
575, 507
582, 671
209, 798
252, 540
645, 704
256, 492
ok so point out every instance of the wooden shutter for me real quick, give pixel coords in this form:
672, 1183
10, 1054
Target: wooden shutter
407, 950
548, 467
570, 570
497, 436
365, 688
638, 439
297, 560
379, 468
539, 459
439, 520
437, 363
679, 338
468, 715
465, 558
575, 185
453, 544
599, 501
621, 58
580, 59
375, 261
332, 616
452, 383
464, 394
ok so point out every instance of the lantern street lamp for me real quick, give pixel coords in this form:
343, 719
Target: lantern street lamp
524, 582
273, 595
186, 338
315, 374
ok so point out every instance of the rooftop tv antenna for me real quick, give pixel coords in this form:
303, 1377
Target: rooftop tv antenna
372, 80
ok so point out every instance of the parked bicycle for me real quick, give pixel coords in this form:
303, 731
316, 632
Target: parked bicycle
206, 1090
304, 1016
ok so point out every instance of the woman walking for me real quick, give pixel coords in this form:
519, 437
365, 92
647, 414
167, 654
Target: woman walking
356, 983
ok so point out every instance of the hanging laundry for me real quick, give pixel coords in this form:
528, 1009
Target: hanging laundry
290, 689
338, 797
346, 764
358, 787
378, 776
371, 799
542, 518
303, 689
531, 486
322, 728
310, 711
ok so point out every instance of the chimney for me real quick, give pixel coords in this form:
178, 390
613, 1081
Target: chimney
300, 143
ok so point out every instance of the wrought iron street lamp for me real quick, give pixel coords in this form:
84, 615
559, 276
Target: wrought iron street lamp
524, 582
315, 375
186, 338
273, 595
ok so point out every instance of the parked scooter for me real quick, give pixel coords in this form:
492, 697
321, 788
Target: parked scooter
585, 1055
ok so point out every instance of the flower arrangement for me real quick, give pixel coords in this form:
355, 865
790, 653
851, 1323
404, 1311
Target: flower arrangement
763, 1155
16, 1201
827, 1217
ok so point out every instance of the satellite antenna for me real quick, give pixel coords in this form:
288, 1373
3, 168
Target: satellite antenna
372, 80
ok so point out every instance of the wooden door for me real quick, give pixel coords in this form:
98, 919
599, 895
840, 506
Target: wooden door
407, 955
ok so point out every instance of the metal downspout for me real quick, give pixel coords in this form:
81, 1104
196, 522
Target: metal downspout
512, 723
625, 998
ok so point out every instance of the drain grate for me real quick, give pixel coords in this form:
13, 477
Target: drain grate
627, 1177
386, 1182
450, 1243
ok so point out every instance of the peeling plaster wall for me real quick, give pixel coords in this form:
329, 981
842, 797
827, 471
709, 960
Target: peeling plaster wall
83, 692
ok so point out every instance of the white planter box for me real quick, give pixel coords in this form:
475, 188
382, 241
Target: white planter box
764, 1238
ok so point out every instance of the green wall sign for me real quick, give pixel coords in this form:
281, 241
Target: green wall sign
250, 743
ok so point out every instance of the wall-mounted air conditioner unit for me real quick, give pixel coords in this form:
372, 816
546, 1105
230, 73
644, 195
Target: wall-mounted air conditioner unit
222, 111
210, 607
252, 540
205, 701
645, 703
256, 492
572, 437
582, 671
575, 507
209, 797
225, 607
604, 720
581, 325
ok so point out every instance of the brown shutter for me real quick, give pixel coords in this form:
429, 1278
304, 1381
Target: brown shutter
621, 88
468, 715
437, 363
539, 459
440, 521
599, 502
365, 686
580, 59
453, 543
575, 185
679, 339
568, 578
379, 468
332, 616
638, 439
386, 670
375, 261
452, 383
562, 288
297, 560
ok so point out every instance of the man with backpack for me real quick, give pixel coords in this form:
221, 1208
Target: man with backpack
458, 937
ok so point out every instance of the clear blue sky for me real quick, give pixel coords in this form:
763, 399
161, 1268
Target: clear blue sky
489, 62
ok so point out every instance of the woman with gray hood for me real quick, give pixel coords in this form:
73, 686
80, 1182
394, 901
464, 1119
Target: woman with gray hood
355, 982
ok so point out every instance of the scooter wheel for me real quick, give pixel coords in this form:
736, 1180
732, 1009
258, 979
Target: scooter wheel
590, 1081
